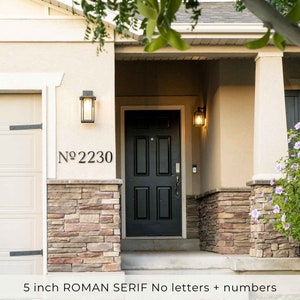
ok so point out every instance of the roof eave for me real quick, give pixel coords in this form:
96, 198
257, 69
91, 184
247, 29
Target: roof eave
214, 31
184, 28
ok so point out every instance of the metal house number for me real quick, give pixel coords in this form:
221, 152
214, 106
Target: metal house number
85, 157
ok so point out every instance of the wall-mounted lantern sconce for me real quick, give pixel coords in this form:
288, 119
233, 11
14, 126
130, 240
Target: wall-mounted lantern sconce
200, 117
87, 107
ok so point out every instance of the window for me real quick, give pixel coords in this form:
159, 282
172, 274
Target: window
292, 106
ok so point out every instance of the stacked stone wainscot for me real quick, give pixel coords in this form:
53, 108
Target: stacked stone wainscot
84, 226
224, 221
192, 217
265, 241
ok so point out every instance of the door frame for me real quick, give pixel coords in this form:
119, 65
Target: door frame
181, 109
45, 85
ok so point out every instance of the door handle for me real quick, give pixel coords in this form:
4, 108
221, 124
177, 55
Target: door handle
177, 185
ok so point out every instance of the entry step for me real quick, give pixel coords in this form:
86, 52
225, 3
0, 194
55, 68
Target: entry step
204, 262
160, 245
176, 260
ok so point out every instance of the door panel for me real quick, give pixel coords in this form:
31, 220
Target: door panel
141, 203
153, 192
141, 154
20, 184
164, 200
163, 155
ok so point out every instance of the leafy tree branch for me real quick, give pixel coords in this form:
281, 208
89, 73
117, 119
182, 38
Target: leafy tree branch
281, 16
155, 18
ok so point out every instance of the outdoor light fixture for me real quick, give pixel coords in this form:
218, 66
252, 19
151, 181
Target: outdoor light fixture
200, 116
87, 107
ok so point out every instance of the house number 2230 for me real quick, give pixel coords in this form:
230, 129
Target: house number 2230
85, 157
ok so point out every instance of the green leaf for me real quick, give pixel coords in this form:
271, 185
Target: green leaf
172, 9
175, 40
86, 7
150, 29
162, 6
156, 44
169, 34
146, 10
163, 25
294, 14
260, 43
154, 4
279, 41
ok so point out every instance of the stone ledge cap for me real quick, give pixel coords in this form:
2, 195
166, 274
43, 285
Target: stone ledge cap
258, 182
220, 190
246, 263
85, 181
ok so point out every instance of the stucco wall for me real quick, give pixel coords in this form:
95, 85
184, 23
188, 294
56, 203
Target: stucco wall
210, 154
65, 51
236, 132
18, 7
158, 78
227, 141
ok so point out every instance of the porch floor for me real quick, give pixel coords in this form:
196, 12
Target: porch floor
177, 262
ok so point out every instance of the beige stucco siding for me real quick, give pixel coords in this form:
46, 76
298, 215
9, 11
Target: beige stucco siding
21, 8
227, 143
158, 78
32, 8
82, 69
210, 154
211, 146
236, 135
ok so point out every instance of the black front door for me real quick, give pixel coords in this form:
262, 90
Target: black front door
153, 173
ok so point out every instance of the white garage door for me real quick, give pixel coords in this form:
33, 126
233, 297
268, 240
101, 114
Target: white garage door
20, 184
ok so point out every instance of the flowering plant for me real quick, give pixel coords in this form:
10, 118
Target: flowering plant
285, 192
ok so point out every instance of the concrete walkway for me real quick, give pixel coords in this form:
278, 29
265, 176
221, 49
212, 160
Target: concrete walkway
208, 262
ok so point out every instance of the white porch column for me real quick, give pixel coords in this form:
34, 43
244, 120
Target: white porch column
270, 141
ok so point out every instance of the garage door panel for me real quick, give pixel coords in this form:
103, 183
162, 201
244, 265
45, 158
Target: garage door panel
25, 198
20, 109
16, 233
24, 265
19, 151
20, 183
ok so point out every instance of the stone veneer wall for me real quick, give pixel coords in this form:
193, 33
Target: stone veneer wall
84, 226
192, 217
225, 221
265, 242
